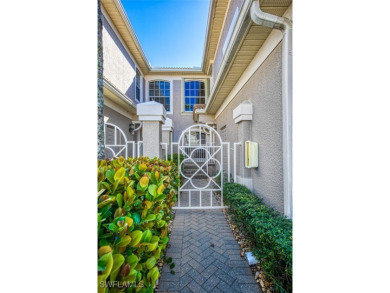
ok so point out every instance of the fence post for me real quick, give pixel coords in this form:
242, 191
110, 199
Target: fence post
152, 115
242, 116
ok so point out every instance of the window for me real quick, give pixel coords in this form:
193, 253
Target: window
137, 85
159, 91
194, 93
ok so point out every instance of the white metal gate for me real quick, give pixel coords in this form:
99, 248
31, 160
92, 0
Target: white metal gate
116, 143
201, 168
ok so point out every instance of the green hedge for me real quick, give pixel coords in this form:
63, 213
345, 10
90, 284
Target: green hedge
174, 158
135, 198
270, 232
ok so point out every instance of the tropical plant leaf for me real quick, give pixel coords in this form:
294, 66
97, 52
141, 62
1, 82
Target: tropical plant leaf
119, 174
119, 199
137, 218
110, 176
136, 237
146, 236
118, 261
150, 263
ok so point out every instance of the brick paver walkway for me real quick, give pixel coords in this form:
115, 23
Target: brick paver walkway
206, 255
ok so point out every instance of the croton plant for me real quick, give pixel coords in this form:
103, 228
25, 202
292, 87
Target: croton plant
135, 198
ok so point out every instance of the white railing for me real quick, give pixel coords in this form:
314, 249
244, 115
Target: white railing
140, 146
172, 144
120, 145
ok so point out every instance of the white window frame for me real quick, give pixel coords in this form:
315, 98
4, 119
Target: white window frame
170, 92
183, 100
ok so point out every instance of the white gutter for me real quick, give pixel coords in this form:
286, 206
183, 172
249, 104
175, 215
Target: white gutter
285, 25
230, 50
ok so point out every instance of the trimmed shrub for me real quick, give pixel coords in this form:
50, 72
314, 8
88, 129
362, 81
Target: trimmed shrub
135, 198
270, 232
175, 157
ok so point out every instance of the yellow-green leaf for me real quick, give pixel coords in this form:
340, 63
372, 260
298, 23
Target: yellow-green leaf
149, 218
136, 238
121, 160
153, 275
129, 221
146, 236
148, 204
160, 189
119, 199
151, 246
120, 174
153, 190
119, 259
124, 241
132, 260
108, 260
104, 250
144, 181
142, 167
150, 263
130, 191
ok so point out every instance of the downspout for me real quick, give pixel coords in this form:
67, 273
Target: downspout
285, 25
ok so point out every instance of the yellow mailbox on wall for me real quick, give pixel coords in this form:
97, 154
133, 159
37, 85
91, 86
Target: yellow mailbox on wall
251, 154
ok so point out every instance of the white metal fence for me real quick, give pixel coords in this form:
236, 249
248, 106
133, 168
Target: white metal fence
117, 145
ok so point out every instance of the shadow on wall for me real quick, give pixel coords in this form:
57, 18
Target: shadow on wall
130, 92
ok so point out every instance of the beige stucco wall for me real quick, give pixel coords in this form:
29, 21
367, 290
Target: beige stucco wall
118, 66
180, 120
264, 90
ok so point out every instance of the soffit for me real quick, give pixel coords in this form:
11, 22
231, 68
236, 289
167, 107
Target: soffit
250, 44
216, 20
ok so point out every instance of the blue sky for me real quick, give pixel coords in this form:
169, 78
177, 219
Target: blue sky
171, 32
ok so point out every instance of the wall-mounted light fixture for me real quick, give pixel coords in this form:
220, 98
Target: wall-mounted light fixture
135, 126
212, 124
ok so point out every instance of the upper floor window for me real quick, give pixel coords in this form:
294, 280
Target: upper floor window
194, 91
137, 85
160, 91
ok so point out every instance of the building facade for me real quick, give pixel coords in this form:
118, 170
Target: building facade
243, 88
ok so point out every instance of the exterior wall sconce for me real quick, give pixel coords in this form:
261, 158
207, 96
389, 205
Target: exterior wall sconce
212, 124
133, 126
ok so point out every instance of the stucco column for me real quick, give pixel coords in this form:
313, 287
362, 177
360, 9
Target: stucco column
167, 130
152, 115
242, 116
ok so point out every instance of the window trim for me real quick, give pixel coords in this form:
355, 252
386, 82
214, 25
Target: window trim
170, 92
183, 99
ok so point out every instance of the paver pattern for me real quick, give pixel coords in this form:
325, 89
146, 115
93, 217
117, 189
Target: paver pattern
206, 256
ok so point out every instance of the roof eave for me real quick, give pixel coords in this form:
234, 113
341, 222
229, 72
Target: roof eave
119, 96
126, 22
